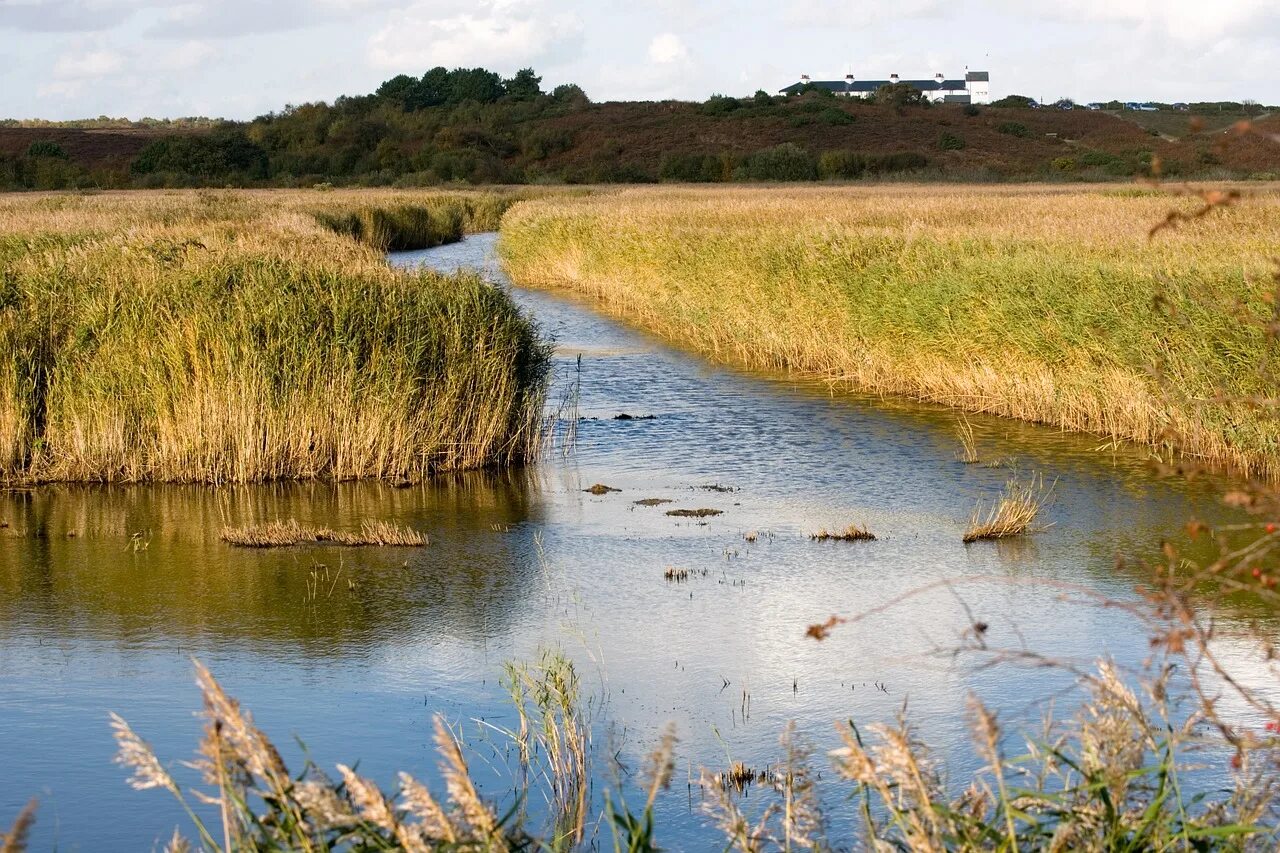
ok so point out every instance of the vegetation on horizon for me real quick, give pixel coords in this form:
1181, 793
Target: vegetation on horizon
470, 125
229, 337
1045, 305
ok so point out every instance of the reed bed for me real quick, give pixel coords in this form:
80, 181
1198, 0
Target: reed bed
1049, 305
1012, 514
228, 337
284, 534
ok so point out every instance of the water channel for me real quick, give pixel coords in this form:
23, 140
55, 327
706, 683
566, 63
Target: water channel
106, 593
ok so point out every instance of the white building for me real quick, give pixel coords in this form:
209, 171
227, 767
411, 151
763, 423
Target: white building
974, 88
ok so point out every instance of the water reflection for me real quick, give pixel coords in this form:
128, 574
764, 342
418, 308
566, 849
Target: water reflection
144, 564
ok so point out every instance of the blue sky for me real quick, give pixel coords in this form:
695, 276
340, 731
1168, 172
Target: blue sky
239, 58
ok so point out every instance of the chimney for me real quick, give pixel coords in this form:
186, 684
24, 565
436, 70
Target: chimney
848, 78
804, 78
893, 78
939, 78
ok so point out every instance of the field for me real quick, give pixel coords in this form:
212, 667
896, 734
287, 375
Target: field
1048, 305
232, 337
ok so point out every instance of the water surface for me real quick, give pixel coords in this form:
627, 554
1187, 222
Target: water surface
107, 592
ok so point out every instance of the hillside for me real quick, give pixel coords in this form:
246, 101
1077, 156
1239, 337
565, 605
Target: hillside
469, 126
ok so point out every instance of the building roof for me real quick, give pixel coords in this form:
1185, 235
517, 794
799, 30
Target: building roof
978, 77
862, 86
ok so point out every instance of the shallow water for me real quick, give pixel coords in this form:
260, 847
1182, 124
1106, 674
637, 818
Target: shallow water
106, 593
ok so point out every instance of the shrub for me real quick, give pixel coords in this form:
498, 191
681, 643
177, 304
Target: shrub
835, 116
1012, 128
1015, 102
841, 164
762, 98
718, 105
1064, 164
950, 142
813, 89
690, 168
899, 161
544, 142
785, 162
1096, 158
900, 95
222, 154
569, 93
972, 110
46, 148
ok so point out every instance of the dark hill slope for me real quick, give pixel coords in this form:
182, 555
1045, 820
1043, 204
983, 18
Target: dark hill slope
368, 140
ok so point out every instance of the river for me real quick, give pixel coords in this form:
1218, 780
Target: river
106, 593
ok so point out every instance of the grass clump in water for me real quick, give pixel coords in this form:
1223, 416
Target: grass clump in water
1013, 514
694, 513
852, 533
283, 534
968, 453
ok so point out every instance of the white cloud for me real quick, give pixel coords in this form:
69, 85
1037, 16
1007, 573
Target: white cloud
93, 63
667, 49
489, 33
843, 13
67, 15
1191, 20
183, 57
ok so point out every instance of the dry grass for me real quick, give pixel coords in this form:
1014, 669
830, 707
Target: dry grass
283, 534
15, 840
852, 533
694, 513
1013, 514
968, 445
1044, 304
228, 337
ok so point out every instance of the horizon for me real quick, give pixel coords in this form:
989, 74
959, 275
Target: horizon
136, 59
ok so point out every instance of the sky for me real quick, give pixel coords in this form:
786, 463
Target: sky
63, 59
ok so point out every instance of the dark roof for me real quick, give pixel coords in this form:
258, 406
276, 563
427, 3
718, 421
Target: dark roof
873, 85
957, 99
978, 77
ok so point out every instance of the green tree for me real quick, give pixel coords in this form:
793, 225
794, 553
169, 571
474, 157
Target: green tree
402, 91
474, 84
435, 86
525, 86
